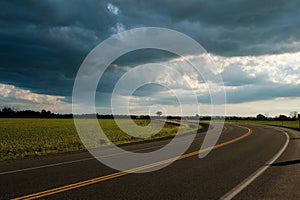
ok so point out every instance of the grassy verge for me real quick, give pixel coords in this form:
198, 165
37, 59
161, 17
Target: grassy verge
289, 124
26, 137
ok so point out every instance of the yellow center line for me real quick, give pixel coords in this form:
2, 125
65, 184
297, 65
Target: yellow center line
123, 173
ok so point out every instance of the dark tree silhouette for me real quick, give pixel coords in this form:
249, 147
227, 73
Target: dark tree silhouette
260, 117
159, 113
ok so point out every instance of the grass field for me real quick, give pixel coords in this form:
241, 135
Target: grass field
25, 137
289, 124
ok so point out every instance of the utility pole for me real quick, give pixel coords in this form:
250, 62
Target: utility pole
299, 119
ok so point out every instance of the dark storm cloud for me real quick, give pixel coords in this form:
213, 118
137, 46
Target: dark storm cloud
235, 76
263, 92
226, 27
42, 43
250, 93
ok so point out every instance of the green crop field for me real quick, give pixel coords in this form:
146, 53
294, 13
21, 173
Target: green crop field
25, 137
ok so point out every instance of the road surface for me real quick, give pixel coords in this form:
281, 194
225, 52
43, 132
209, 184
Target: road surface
249, 162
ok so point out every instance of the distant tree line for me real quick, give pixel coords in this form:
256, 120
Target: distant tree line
8, 112
292, 117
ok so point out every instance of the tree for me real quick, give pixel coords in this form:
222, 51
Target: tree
260, 117
7, 112
159, 113
282, 117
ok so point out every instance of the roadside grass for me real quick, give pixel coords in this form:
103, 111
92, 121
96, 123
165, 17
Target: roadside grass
26, 137
289, 124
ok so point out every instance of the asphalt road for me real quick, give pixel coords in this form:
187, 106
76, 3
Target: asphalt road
229, 171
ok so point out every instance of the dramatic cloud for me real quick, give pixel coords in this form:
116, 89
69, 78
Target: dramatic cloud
23, 99
256, 44
113, 9
226, 27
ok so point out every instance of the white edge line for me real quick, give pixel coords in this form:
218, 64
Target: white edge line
79, 160
236, 190
44, 166
68, 162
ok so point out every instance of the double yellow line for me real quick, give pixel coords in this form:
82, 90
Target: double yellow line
123, 173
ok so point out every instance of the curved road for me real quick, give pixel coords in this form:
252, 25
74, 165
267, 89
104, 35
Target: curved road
244, 165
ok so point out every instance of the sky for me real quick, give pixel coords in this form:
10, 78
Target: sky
254, 44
